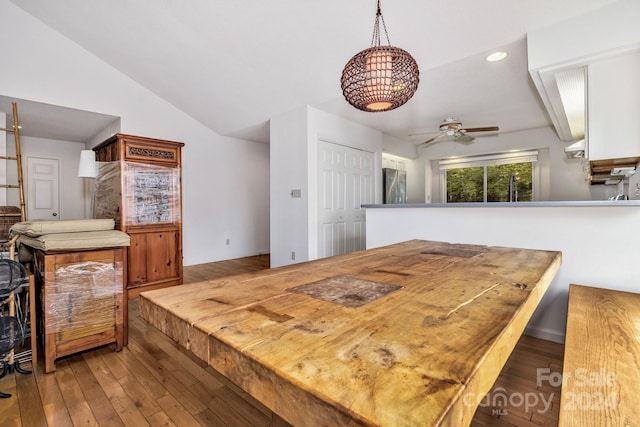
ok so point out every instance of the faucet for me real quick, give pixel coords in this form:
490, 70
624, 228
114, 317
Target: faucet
513, 188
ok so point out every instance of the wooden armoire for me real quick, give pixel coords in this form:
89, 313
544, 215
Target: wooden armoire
139, 186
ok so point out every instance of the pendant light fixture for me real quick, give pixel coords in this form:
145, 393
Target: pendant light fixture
380, 78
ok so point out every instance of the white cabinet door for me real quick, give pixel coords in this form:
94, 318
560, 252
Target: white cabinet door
345, 183
614, 108
43, 182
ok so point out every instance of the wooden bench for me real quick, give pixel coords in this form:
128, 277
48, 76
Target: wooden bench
601, 372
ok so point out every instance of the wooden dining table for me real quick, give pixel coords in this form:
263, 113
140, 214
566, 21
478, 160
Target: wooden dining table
411, 334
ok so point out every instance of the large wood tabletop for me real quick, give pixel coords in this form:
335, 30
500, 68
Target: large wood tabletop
408, 334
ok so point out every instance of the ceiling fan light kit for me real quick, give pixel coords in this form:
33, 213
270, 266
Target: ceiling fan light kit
452, 127
380, 78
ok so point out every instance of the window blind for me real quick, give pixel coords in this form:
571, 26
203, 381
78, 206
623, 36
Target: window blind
489, 160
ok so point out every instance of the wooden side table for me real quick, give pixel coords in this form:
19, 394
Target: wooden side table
81, 301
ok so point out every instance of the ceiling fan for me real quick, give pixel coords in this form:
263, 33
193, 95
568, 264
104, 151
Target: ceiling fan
452, 127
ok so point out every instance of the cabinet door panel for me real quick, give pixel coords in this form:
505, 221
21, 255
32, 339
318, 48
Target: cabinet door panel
162, 255
137, 259
153, 256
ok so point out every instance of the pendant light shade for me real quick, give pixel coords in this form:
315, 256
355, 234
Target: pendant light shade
380, 78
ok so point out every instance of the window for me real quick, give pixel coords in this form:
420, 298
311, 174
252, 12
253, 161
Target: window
507, 177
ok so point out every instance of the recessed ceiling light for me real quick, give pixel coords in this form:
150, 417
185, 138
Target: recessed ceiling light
496, 56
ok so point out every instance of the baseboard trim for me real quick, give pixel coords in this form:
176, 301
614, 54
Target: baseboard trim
545, 334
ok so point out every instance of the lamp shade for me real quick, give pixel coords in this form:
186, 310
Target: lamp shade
380, 78
87, 165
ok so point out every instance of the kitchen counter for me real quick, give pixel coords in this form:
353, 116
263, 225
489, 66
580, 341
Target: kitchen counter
544, 204
598, 240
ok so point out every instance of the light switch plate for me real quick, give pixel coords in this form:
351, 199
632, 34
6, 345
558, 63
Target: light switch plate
296, 194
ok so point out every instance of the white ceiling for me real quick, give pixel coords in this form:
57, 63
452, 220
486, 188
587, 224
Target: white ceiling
54, 122
234, 64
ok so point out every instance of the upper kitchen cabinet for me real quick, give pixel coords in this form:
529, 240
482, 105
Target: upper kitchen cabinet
588, 67
614, 108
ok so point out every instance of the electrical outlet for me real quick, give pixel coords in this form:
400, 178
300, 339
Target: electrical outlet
228, 241
293, 255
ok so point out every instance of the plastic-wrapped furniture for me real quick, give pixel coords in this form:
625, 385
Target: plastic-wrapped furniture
139, 186
82, 301
13, 326
79, 268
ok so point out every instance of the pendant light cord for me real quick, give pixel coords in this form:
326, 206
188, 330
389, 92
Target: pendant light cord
375, 40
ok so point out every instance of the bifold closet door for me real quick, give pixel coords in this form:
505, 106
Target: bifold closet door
345, 182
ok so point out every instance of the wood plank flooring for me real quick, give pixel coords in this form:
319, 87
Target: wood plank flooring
155, 382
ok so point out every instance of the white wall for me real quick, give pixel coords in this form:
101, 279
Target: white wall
225, 180
397, 147
598, 244
561, 178
289, 158
294, 165
72, 202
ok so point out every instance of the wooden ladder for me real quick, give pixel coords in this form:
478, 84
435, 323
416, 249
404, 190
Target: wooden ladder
10, 362
18, 159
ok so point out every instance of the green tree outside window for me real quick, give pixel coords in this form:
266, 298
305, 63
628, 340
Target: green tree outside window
468, 184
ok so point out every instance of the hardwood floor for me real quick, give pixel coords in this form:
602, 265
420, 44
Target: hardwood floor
213, 270
155, 382
527, 403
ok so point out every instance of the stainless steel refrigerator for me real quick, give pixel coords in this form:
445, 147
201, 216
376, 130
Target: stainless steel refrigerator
394, 185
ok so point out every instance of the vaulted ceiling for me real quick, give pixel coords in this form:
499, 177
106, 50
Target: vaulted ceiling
234, 64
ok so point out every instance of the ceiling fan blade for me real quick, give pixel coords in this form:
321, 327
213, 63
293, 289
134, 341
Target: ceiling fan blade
433, 139
483, 129
416, 133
